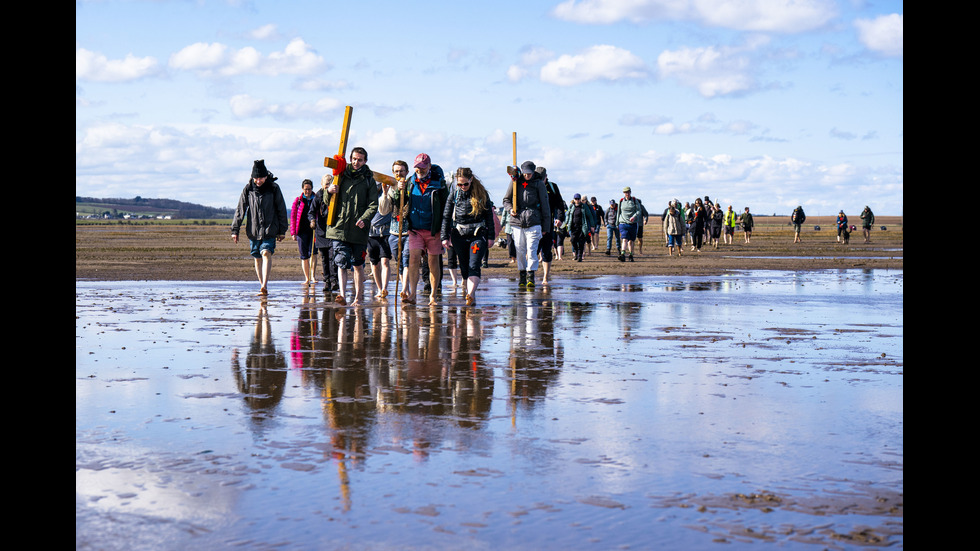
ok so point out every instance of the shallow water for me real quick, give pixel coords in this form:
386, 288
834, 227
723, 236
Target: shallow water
761, 408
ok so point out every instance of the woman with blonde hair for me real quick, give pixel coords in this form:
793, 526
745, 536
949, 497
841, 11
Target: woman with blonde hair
467, 225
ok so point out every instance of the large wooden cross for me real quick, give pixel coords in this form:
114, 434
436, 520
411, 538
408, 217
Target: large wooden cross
332, 163
513, 171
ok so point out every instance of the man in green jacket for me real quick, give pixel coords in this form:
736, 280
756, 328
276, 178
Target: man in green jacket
356, 205
631, 213
867, 220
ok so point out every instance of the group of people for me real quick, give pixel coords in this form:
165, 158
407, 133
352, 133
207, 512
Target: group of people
701, 222
580, 220
416, 217
798, 217
844, 230
354, 218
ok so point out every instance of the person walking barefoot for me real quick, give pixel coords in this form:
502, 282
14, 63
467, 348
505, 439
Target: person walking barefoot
263, 209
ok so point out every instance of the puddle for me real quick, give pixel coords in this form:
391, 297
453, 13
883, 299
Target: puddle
609, 412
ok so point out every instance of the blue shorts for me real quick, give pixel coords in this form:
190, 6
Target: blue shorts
263, 244
673, 240
348, 255
627, 232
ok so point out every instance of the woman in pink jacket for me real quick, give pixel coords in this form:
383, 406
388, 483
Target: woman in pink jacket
301, 231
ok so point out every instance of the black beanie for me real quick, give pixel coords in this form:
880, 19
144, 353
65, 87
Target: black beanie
258, 169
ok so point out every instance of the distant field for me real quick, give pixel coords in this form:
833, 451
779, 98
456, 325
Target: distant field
203, 250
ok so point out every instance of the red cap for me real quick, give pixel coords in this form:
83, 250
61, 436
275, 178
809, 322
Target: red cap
422, 161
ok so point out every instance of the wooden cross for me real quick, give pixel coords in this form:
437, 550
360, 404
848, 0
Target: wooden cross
332, 163
342, 153
513, 171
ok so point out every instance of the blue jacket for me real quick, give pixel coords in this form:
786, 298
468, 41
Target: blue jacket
424, 208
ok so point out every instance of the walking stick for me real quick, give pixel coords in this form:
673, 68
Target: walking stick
513, 208
398, 262
313, 254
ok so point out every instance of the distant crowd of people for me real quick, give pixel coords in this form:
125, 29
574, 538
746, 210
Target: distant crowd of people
428, 224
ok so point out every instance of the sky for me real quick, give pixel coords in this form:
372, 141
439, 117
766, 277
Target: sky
766, 104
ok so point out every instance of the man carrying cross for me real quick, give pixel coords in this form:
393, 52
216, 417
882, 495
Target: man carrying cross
356, 203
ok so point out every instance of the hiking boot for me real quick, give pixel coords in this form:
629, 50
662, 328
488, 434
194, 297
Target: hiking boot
622, 257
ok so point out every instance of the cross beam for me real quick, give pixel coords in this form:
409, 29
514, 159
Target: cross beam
342, 153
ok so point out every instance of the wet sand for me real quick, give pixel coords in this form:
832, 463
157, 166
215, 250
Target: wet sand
205, 252
729, 410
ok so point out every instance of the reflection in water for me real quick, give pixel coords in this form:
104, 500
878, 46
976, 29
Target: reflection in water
264, 377
535, 356
408, 380
597, 407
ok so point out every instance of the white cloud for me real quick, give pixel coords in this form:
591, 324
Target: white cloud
515, 73
779, 16
298, 58
96, 67
265, 32
712, 71
209, 164
601, 62
612, 11
884, 34
782, 16
245, 106
199, 57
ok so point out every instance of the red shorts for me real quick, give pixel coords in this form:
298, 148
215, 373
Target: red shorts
424, 240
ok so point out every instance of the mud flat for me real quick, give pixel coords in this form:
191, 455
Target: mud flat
205, 252
745, 409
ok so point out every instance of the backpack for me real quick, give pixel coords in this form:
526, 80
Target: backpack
496, 220
555, 201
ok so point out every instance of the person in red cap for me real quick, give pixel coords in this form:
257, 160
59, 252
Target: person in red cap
426, 193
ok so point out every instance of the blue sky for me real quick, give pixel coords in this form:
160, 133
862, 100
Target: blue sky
760, 103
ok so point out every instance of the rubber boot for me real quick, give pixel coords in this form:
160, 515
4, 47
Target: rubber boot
530, 278
523, 281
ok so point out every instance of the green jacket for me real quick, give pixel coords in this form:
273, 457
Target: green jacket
747, 222
868, 217
630, 208
357, 200
588, 217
